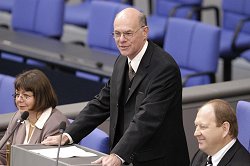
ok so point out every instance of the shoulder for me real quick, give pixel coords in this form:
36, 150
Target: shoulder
241, 154
15, 117
198, 158
57, 117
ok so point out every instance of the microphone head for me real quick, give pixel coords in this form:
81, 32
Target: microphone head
62, 126
24, 115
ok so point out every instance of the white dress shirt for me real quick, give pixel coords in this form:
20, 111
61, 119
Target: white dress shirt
219, 155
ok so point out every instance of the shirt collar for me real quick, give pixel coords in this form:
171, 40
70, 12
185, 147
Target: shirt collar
43, 118
219, 155
137, 59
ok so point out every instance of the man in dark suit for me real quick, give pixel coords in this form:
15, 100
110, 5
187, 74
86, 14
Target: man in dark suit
144, 103
216, 132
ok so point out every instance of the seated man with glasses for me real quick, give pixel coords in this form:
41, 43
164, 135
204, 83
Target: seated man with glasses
143, 99
33, 93
216, 132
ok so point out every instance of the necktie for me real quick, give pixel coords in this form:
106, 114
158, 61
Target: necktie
209, 161
131, 72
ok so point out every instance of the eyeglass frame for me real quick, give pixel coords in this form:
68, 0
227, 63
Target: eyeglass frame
127, 35
24, 97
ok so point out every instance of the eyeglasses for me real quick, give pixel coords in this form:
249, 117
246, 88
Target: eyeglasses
22, 96
127, 35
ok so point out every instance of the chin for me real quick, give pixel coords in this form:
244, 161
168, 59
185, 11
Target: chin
202, 147
124, 53
22, 110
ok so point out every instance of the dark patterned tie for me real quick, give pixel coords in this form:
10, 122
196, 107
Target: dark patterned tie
131, 72
209, 161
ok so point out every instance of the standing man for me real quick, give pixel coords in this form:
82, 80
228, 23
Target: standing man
143, 100
216, 132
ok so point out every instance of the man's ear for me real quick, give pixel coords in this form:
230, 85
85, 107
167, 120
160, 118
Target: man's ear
226, 127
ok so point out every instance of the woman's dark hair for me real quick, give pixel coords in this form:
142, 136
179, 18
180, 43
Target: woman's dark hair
38, 83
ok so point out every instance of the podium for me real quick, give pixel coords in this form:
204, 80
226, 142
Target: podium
22, 156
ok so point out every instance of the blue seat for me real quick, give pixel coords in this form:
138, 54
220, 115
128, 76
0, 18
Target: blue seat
233, 39
79, 13
163, 9
97, 140
243, 118
246, 55
195, 47
39, 17
6, 5
100, 28
235, 32
7, 104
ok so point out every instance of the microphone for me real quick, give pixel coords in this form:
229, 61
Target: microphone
24, 116
62, 127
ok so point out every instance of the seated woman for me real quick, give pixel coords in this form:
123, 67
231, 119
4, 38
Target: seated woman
33, 93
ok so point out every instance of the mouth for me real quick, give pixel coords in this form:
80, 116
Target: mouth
123, 47
200, 141
22, 107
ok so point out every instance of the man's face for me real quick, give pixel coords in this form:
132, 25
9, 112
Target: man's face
209, 136
129, 35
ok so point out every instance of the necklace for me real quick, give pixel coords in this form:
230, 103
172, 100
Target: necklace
32, 126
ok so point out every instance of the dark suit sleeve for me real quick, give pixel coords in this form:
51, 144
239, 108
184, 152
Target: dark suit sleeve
96, 111
155, 105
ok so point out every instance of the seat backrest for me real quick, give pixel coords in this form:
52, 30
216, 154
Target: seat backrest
7, 104
44, 17
243, 118
233, 11
6, 5
97, 140
100, 26
194, 45
163, 7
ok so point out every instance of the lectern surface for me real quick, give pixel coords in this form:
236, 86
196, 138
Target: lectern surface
22, 156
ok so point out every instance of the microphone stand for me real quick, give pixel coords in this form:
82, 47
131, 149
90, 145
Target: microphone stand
62, 127
59, 146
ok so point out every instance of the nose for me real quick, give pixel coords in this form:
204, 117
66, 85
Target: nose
122, 37
197, 132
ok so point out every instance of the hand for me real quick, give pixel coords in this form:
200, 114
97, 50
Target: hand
54, 140
109, 160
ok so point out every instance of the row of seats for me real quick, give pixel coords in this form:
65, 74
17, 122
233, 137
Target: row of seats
235, 31
101, 26
235, 36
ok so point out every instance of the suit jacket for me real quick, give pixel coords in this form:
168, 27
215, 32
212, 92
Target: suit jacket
237, 155
153, 126
51, 127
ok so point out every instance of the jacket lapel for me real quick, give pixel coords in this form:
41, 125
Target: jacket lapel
36, 136
142, 70
230, 153
20, 134
120, 76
